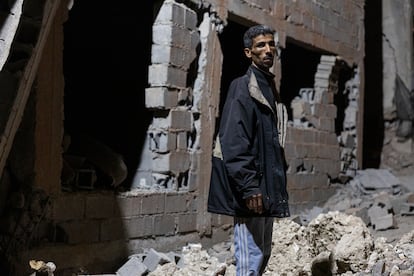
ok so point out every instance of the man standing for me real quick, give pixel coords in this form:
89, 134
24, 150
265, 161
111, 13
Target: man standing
250, 185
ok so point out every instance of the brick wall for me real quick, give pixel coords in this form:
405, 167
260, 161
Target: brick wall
167, 206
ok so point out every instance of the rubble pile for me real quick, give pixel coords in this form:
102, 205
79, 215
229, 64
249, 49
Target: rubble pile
344, 237
333, 243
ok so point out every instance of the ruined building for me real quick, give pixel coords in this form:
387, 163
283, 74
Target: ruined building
109, 112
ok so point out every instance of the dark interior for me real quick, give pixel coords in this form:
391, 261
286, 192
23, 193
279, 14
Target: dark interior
373, 127
106, 59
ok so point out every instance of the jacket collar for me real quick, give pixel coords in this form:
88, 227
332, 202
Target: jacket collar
255, 91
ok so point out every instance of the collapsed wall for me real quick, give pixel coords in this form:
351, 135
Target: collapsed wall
166, 205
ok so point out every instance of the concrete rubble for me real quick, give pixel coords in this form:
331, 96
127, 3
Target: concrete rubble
333, 243
344, 237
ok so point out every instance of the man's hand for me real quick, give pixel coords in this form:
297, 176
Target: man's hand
255, 204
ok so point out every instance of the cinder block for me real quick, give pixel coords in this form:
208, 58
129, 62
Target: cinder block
187, 222
326, 124
312, 150
298, 108
171, 12
128, 206
112, 229
324, 110
193, 181
181, 119
384, 222
180, 14
310, 136
290, 150
176, 162
161, 97
154, 258
176, 203
165, 75
142, 179
300, 196
99, 206
171, 34
139, 227
153, 204
296, 135
162, 141
133, 266
301, 150
68, 207
178, 57
190, 19
330, 152
332, 168
182, 140
164, 225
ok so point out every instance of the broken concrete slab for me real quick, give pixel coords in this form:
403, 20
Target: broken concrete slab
376, 180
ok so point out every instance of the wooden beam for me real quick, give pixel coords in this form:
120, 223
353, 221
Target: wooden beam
25, 84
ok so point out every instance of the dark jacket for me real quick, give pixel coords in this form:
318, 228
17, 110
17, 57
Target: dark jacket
251, 159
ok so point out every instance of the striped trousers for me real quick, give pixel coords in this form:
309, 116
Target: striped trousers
252, 244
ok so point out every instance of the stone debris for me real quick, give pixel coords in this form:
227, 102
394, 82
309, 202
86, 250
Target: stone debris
45, 268
333, 243
336, 239
374, 195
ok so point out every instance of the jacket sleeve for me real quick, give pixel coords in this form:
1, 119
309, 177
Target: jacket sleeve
237, 130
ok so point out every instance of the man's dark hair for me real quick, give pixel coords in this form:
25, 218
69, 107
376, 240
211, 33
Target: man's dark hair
254, 31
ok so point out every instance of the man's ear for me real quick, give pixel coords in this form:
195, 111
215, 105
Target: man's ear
248, 52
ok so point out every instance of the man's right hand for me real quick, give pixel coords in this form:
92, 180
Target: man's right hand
255, 203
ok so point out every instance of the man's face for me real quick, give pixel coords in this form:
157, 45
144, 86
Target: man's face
262, 52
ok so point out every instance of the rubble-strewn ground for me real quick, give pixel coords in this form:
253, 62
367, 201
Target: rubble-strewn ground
333, 243
366, 228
